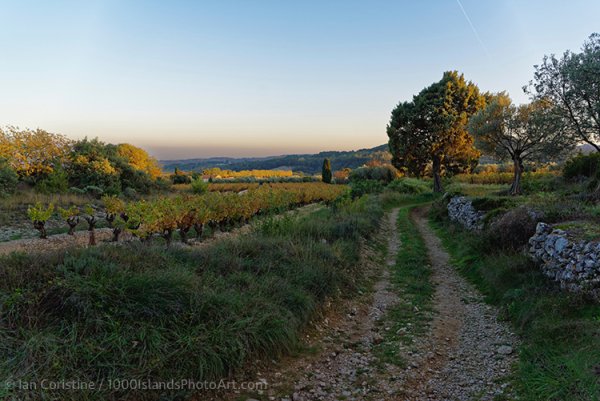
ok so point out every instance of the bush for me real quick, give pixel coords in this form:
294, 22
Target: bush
130, 193
94, 191
582, 166
55, 182
199, 186
409, 186
511, 231
385, 173
360, 188
8, 179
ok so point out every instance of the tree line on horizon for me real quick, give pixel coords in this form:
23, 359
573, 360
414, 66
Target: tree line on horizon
448, 125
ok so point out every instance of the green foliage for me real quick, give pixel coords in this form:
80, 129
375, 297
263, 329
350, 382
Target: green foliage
407, 185
146, 311
527, 133
93, 191
66, 214
363, 187
8, 179
570, 83
432, 129
180, 177
56, 181
582, 166
326, 171
384, 173
39, 212
198, 186
411, 273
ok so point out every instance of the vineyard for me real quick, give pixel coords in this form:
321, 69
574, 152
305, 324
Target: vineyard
183, 213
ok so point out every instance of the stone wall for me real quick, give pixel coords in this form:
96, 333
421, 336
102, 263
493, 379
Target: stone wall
575, 264
461, 210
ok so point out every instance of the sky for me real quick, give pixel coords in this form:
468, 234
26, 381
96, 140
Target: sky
187, 79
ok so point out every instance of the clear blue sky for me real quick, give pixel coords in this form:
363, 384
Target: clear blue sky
199, 78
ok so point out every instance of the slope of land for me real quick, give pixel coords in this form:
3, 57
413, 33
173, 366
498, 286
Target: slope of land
307, 163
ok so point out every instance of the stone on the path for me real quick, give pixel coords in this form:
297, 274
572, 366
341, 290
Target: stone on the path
505, 350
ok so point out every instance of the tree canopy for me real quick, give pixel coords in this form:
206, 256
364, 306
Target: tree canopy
430, 131
524, 133
572, 84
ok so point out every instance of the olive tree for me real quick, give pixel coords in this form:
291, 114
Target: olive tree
525, 133
572, 84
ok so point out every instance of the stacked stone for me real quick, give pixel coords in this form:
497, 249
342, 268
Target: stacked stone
461, 210
574, 264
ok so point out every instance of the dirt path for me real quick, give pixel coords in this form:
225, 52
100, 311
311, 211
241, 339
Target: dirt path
343, 366
469, 353
466, 355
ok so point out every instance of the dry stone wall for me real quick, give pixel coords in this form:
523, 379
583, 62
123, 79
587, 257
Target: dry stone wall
575, 264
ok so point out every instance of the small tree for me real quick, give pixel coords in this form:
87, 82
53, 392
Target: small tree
524, 133
39, 215
115, 215
91, 220
326, 172
71, 217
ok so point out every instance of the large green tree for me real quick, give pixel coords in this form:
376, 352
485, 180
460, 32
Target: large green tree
525, 133
572, 84
430, 131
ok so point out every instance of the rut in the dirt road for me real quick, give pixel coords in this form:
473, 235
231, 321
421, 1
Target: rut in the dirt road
470, 351
344, 369
465, 354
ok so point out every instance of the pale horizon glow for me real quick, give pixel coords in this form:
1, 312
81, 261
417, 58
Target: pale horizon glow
187, 79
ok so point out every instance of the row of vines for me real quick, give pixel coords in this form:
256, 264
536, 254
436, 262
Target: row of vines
183, 213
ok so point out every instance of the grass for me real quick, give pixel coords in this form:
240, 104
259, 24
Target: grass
140, 311
411, 279
560, 354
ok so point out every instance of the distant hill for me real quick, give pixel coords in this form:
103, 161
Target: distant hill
306, 163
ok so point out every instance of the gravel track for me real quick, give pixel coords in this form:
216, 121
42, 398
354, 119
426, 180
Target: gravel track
466, 355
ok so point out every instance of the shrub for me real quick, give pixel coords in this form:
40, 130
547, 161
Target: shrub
77, 191
198, 186
582, 166
512, 230
385, 173
130, 193
39, 215
360, 188
8, 179
409, 186
94, 191
55, 182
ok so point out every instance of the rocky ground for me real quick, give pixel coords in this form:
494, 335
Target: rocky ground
466, 355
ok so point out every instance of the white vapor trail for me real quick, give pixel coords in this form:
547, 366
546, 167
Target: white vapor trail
473, 28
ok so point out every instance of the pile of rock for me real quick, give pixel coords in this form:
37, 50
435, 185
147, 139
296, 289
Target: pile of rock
461, 210
574, 264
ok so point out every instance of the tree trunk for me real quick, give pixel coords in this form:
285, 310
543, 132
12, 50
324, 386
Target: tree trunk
437, 181
116, 233
168, 236
72, 222
91, 226
183, 232
198, 228
515, 188
41, 227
